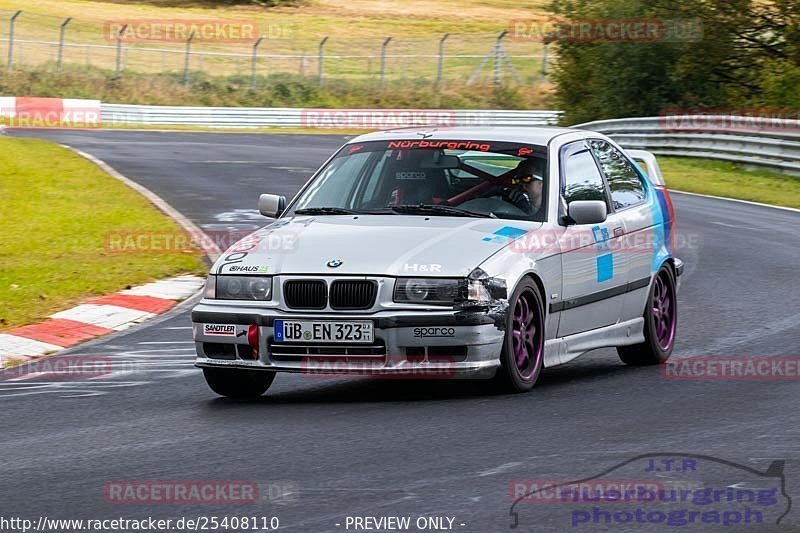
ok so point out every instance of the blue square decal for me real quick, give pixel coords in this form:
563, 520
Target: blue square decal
605, 267
510, 232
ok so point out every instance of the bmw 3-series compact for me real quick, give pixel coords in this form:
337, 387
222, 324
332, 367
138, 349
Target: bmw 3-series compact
452, 252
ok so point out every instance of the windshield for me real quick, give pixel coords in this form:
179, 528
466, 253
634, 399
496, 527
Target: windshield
431, 177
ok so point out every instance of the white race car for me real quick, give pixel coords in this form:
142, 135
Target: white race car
452, 252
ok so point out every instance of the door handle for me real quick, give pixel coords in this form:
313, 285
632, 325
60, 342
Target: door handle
619, 232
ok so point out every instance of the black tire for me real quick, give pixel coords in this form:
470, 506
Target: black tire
514, 376
237, 383
658, 340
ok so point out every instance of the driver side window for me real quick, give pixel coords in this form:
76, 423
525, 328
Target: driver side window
581, 177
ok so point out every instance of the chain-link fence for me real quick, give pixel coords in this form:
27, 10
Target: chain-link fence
256, 50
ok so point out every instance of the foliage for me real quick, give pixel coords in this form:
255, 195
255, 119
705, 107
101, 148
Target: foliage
748, 57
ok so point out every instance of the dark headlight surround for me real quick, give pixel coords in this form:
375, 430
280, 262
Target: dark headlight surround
244, 288
432, 291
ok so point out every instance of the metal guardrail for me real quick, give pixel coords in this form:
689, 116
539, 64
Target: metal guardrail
754, 141
245, 117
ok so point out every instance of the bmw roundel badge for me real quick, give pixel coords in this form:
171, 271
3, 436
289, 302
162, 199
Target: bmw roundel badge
333, 263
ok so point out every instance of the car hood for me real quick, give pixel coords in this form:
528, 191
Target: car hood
394, 245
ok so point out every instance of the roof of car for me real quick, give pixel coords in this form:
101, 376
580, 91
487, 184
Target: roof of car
539, 135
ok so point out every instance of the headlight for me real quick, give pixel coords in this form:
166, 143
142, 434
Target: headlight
256, 288
477, 291
211, 287
427, 290
483, 289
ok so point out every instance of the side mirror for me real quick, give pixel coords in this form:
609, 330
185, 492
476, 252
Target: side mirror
587, 211
271, 205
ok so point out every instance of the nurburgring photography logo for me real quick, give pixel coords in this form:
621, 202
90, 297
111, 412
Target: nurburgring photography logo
673, 490
633, 30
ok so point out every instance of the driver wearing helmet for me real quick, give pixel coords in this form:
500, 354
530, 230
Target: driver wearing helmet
525, 191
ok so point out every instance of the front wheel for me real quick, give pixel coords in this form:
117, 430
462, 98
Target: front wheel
236, 383
523, 346
660, 323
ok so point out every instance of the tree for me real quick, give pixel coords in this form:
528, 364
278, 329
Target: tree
748, 55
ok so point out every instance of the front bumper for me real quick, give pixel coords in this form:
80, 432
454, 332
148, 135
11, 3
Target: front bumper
466, 345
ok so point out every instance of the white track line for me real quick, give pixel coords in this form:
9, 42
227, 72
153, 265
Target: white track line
213, 251
178, 288
792, 209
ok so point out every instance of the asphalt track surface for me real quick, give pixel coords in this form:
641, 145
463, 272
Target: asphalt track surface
326, 449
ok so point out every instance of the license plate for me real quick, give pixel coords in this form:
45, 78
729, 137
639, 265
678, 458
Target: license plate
323, 331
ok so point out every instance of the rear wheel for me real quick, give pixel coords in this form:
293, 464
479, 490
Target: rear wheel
236, 383
523, 347
660, 323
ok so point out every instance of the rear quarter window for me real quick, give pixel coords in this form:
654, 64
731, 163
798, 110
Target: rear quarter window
624, 182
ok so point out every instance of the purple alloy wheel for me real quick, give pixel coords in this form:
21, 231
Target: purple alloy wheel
526, 334
663, 306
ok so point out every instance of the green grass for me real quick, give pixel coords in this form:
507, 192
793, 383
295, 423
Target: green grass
356, 30
306, 22
719, 178
278, 90
57, 211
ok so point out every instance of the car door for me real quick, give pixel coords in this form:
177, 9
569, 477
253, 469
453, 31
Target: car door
594, 274
629, 198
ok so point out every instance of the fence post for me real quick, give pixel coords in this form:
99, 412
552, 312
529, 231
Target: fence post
320, 61
119, 49
186, 58
383, 61
255, 60
440, 64
11, 38
497, 64
544, 60
61, 33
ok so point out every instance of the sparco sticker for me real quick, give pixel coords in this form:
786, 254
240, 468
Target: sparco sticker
434, 332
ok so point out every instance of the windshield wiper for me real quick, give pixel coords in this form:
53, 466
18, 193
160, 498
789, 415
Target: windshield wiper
326, 211
429, 209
